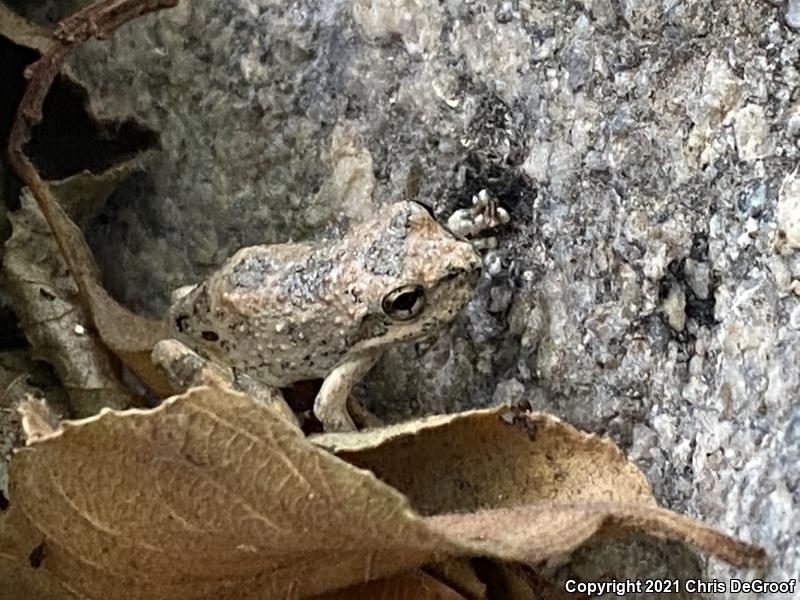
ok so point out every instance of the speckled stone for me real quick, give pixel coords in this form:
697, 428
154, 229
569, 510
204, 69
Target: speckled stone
639, 147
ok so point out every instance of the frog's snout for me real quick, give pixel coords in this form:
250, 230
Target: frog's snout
469, 269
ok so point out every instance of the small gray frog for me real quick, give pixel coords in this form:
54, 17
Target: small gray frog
285, 313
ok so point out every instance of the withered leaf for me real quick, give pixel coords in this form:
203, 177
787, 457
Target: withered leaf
212, 495
22, 32
531, 534
405, 586
21, 380
459, 574
523, 487
18, 577
81, 195
129, 336
46, 303
21, 376
492, 458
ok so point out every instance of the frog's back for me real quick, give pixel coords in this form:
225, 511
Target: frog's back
273, 311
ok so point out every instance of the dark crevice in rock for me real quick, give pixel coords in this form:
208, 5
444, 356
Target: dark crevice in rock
11, 336
68, 140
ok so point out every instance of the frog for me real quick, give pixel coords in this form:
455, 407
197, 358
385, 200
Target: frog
327, 309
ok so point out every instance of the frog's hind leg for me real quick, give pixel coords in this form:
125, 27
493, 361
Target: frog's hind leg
330, 405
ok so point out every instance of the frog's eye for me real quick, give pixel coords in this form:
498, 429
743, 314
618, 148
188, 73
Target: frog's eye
405, 302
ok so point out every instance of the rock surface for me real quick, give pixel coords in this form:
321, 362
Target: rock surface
648, 286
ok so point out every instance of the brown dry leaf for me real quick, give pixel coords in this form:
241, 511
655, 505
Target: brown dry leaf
83, 194
17, 575
492, 458
22, 378
523, 487
531, 534
38, 420
212, 495
20, 580
22, 32
459, 574
415, 585
46, 304
23, 549
129, 336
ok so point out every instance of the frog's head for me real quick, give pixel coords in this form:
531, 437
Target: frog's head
422, 275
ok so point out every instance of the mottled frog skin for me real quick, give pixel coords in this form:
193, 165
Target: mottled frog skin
284, 313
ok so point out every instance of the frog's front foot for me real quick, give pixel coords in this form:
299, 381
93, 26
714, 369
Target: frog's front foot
185, 369
330, 405
333, 420
484, 215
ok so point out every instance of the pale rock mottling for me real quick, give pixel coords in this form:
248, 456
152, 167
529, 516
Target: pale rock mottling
348, 190
793, 14
789, 211
415, 22
793, 121
675, 308
499, 57
607, 129
751, 130
720, 91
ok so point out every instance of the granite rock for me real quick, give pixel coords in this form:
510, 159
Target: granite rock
645, 151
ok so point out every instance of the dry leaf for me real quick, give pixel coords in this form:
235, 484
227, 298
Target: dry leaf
49, 313
490, 459
550, 486
18, 577
21, 378
129, 336
22, 32
415, 585
83, 194
459, 574
85, 376
531, 534
38, 420
212, 495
